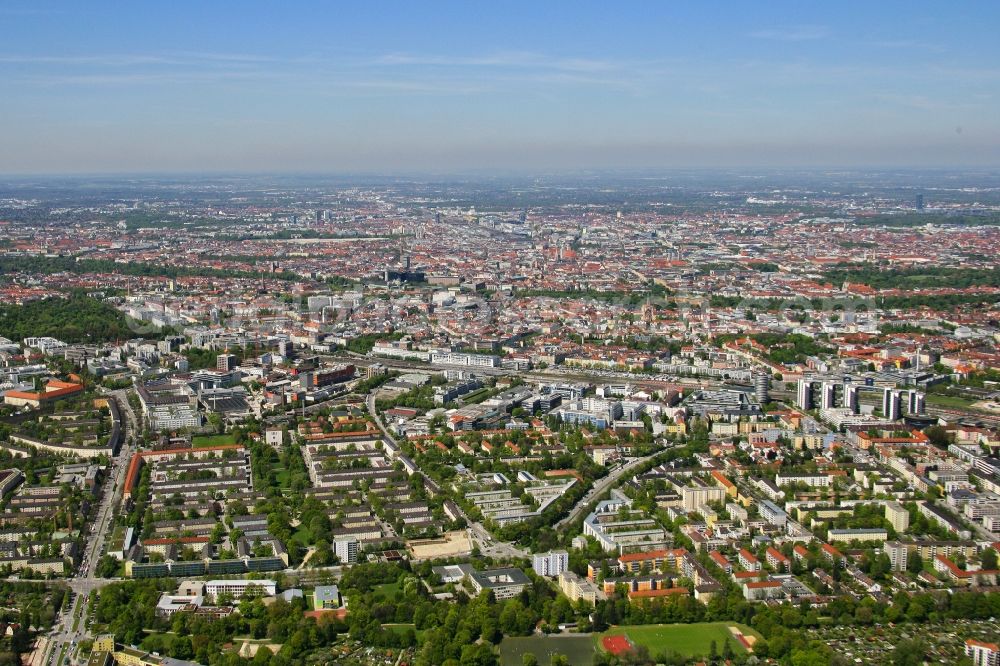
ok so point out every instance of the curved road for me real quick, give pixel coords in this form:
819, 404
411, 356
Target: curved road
601, 486
478, 533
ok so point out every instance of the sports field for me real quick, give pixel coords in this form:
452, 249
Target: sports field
689, 640
199, 441
449, 544
578, 649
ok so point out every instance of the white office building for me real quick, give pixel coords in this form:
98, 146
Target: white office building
238, 588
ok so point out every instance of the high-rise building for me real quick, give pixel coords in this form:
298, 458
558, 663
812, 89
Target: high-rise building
895, 411
897, 553
346, 550
920, 202
898, 516
225, 362
550, 564
890, 404
829, 395
851, 397
762, 384
914, 402
696, 498
805, 394
982, 653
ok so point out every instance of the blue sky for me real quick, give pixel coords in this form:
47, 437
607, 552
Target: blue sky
537, 86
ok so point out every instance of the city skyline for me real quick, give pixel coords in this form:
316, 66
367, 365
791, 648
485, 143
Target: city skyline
391, 89
468, 334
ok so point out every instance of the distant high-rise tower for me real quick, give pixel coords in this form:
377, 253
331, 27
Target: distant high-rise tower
805, 394
890, 404
851, 397
762, 383
225, 362
829, 392
915, 402
920, 202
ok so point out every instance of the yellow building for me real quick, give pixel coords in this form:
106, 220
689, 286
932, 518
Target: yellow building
105, 649
577, 588
898, 516
675, 428
807, 441
105, 643
725, 482
128, 656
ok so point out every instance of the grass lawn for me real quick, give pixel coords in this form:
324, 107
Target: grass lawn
199, 441
952, 402
281, 476
302, 536
388, 590
689, 640
579, 649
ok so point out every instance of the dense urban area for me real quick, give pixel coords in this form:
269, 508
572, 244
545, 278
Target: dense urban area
610, 419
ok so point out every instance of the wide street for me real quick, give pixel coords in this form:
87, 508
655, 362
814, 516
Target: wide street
71, 625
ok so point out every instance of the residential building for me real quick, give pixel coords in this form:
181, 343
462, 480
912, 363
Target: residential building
696, 498
577, 588
550, 564
777, 560
982, 653
862, 534
898, 516
346, 550
761, 590
748, 560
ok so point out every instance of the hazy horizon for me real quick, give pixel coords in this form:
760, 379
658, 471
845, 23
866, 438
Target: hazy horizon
256, 88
